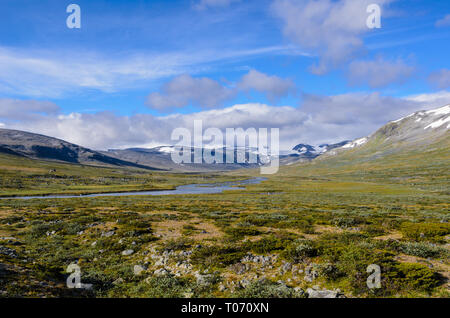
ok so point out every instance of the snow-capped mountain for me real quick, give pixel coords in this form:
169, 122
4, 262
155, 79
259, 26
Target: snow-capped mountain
161, 157
417, 129
309, 152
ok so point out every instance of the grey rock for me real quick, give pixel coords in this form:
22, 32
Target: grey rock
109, 234
138, 269
127, 252
8, 252
310, 274
203, 280
118, 281
316, 293
161, 272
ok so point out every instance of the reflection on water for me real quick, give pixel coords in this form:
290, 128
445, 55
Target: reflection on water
184, 189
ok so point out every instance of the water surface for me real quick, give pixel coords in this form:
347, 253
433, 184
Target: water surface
207, 188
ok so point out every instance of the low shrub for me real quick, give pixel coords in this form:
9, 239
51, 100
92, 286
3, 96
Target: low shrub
241, 232
267, 289
300, 251
417, 276
211, 256
433, 232
267, 245
423, 249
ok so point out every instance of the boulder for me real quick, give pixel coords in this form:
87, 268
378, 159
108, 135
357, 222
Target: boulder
127, 252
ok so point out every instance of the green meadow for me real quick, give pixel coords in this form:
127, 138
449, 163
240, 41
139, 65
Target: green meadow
312, 225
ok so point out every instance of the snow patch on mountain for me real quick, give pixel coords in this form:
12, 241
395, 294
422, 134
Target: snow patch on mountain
445, 110
439, 123
356, 143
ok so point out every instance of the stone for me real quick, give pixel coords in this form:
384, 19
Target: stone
109, 234
239, 268
127, 252
118, 281
310, 274
161, 272
138, 269
8, 252
244, 283
316, 293
203, 280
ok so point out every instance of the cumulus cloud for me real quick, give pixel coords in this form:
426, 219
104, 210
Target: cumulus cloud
207, 93
440, 79
320, 119
445, 21
184, 89
273, 86
379, 72
332, 29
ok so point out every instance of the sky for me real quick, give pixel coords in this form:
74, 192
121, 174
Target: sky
136, 70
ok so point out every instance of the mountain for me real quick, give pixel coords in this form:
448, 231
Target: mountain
161, 157
411, 151
417, 130
35, 146
308, 152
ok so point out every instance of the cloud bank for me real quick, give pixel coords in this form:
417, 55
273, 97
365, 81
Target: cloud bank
320, 119
206, 93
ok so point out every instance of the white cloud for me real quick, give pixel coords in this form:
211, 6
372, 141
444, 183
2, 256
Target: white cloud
441, 79
320, 119
379, 72
445, 21
44, 74
332, 29
431, 100
26, 109
184, 89
207, 93
275, 87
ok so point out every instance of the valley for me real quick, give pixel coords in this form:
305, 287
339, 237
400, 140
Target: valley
311, 230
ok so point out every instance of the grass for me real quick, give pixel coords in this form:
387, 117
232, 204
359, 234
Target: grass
333, 217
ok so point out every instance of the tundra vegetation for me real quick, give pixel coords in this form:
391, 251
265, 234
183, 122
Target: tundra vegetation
313, 226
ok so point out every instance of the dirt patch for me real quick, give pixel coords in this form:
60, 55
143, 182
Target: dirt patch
327, 229
390, 236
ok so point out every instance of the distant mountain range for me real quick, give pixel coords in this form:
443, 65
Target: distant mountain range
416, 130
35, 146
161, 157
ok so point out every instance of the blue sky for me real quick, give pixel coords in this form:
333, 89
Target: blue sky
127, 52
